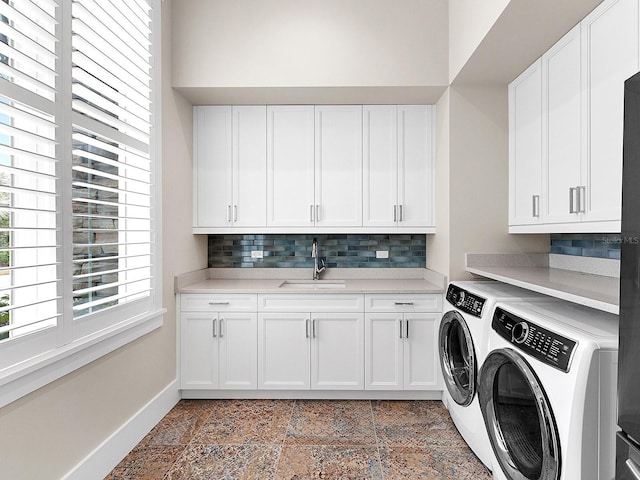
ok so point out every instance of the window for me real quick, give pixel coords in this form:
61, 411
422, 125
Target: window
77, 176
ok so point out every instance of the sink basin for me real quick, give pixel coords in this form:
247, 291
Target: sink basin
312, 284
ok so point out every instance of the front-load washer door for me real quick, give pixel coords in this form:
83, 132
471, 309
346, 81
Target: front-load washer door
518, 417
457, 358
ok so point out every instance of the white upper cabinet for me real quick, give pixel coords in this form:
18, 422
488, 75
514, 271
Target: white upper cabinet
290, 166
338, 166
610, 37
525, 146
582, 96
229, 167
562, 120
398, 167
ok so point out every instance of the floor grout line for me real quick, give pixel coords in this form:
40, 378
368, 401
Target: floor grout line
375, 435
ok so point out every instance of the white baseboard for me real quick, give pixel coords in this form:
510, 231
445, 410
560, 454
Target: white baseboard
106, 456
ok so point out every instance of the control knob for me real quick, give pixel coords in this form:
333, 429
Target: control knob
460, 298
520, 332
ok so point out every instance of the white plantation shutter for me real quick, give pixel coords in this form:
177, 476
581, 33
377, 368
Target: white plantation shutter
77, 182
30, 273
111, 144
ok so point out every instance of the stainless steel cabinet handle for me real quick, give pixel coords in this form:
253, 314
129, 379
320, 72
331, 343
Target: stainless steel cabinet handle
311, 213
536, 206
213, 324
400, 219
395, 213
218, 303
582, 199
235, 213
313, 327
317, 213
573, 191
400, 324
222, 333
306, 328
403, 303
406, 336
633, 468
228, 213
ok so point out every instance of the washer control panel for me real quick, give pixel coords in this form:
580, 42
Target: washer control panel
465, 301
545, 345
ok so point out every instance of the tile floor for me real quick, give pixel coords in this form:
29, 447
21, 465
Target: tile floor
302, 439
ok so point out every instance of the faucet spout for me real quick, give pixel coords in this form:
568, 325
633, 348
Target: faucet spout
314, 254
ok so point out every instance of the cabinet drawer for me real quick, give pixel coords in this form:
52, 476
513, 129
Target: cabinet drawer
430, 302
311, 303
204, 302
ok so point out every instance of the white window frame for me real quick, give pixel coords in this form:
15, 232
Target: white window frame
27, 376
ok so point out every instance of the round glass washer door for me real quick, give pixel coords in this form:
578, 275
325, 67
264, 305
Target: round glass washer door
457, 358
518, 417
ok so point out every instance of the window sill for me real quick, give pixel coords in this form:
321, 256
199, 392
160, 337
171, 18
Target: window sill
24, 378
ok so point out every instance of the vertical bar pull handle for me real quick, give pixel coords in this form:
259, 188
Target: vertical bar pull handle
311, 213
395, 213
317, 213
536, 206
235, 213
222, 333
228, 213
306, 328
400, 324
572, 208
213, 325
313, 327
400, 219
407, 335
582, 199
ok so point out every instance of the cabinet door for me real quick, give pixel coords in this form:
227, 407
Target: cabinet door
249, 167
384, 334
212, 166
338, 166
610, 56
421, 366
290, 163
380, 165
283, 351
415, 166
198, 350
525, 146
238, 358
337, 351
561, 120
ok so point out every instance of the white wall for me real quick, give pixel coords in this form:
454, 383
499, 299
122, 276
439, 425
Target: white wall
292, 43
45, 434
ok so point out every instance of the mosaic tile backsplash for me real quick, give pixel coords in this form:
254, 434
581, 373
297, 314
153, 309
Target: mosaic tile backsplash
339, 251
600, 245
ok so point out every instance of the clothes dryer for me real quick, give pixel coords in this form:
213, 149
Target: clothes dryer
463, 339
547, 391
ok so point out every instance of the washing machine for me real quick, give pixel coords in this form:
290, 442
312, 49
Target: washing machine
463, 337
547, 391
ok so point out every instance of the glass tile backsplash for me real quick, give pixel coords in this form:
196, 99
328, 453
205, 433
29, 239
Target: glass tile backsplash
339, 251
600, 245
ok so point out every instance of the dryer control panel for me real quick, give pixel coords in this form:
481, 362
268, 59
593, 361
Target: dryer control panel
465, 301
542, 344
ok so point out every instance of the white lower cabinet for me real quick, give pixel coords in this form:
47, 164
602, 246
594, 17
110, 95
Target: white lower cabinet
401, 343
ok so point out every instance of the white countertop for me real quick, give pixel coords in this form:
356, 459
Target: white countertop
595, 291
399, 281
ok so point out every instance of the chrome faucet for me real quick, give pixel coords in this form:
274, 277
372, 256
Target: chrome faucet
314, 254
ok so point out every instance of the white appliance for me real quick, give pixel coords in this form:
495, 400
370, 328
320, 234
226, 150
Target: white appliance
547, 391
463, 340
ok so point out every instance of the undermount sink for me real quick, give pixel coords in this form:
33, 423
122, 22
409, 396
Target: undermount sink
312, 284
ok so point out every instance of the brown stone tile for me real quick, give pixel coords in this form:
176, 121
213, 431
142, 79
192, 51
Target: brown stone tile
332, 422
146, 462
179, 425
436, 463
236, 422
237, 462
419, 424
299, 462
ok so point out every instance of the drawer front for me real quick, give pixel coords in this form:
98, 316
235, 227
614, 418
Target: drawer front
205, 302
429, 302
311, 303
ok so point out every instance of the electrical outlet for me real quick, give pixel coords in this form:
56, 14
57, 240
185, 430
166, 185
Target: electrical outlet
257, 254
382, 253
